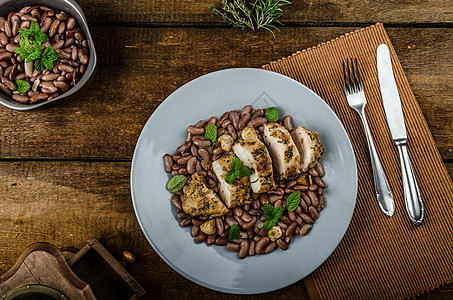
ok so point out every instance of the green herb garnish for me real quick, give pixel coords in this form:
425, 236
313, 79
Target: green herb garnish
293, 201
30, 48
272, 114
237, 169
211, 133
176, 183
272, 215
235, 233
22, 86
253, 15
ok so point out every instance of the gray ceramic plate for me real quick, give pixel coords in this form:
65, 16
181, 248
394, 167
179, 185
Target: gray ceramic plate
213, 266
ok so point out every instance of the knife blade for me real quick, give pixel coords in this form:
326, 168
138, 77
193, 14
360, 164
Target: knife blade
395, 121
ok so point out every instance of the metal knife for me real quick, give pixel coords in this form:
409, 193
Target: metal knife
395, 120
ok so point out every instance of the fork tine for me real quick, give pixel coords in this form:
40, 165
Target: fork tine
345, 81
350, 80
359, 81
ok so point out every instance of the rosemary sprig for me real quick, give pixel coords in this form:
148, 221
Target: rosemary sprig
259, 14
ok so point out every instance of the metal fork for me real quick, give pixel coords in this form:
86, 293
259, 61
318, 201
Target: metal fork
356, 99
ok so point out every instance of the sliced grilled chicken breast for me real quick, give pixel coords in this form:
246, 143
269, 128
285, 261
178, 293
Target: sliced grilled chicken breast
283, 151
200, 200
253, 154
309, 146
232, 194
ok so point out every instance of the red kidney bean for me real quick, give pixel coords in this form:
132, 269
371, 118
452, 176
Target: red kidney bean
290, 229
285, 220
195, 230
321, 203
10, 84
61, 28
71, 23
53, 28
46, 24
305, 229
261, 244
231, 131
320, 191
11, 47
195, 130
252, 248
257, 113
201, 143
245, 118
221, 241
320, 169
313, 198
219, 225
3, 39
320, 182
233, 247
201, 237
8, 28
246, 217
185, 222
313, 187
282, 245
306, 199
257, 122
278, 203
246, 110
62, 86
292, 215
288, 123
66, 68
234, 117
212, 120
313, 212
48, 86
299, 187
250, 224
211, 239
264, 199
176, 202
238, 211
20, 98
282, 225
313, 172
306, 218
243, 249
271, 247
274, 198
5, 55
191, 165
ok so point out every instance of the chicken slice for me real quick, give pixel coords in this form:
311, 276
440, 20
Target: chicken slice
253, 154
283, 151
200, 200
309, 146
236, 193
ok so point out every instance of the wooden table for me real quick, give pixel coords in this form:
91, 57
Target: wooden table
64, 171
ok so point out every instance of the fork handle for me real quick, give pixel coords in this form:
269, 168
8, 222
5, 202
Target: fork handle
383, 194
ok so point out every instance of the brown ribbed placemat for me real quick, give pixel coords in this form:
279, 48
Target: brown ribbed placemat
379, 257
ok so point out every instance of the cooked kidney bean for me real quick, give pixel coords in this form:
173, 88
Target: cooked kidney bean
305, 229
63, 33
257, 122
196, 155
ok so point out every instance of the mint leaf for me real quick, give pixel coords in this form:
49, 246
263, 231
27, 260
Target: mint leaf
47, 64
278, 212
244, 171
22, 86
32, 56
211, 133
24, 32
293, 201
50, 54
235, 164
40, 37
272, 114
25, 51
23, 41
39, 65
268, 224
34, 27
235, 233
230, 177
176, 183
268, 211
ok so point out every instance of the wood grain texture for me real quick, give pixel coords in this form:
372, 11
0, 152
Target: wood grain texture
140, 67
67, 203
313, 11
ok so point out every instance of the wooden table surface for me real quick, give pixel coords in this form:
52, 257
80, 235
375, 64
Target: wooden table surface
64, 170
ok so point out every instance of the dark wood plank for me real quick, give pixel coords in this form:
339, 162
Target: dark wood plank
139, 67
330, 11
67, 203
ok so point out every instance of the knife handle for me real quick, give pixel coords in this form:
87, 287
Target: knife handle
383, 193
412, 198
